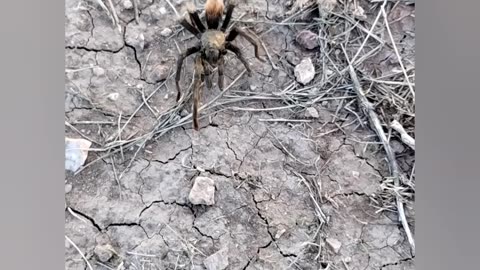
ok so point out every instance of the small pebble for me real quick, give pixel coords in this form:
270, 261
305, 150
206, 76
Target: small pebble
334, 244
166, 32
305, 71
311, 113
253, 87
113, 96
68, 188
203, 191
103, 253
162, 10
127, 4
98, 71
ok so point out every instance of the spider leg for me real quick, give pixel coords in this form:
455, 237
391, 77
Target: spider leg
183, 21
207, 74
228, 16
180, 59
248, 36
221, 70
238, 53
195, 18
197, 90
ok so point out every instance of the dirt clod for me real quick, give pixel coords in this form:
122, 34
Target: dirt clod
307, 39
104, 252
203, 191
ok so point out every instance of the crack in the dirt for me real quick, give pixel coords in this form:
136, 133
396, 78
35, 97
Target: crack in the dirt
231, 149
132, 224
166, 203
87, 217
397, 263
134, 50
272, 237
174, 157
93, 49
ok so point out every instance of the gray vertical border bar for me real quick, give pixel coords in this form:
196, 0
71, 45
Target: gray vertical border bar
448, 178
31, 135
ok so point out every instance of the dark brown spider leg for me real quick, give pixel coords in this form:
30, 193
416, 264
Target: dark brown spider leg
248, 36
180, 59
207, 74
195, 18
238, 53
221, 70
197, 90
228, 16
190, 27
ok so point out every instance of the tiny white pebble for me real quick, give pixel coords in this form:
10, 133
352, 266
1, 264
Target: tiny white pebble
139, 86
127, 4
162, 10
113, 96
253, 87
166, 32
166, 96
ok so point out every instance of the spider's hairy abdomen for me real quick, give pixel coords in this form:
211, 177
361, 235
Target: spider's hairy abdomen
213, 12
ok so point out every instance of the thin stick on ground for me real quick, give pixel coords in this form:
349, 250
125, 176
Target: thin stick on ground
114, 14
79, 251
397, 53
369, 111
135, 11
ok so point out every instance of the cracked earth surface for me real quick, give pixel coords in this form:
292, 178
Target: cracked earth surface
263, 217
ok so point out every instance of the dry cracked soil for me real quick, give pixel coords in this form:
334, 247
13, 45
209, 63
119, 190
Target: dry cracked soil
265, 215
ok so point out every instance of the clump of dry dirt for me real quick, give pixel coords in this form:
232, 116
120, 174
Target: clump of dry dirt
296, 168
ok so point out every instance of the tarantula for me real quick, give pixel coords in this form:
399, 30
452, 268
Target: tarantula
213, 45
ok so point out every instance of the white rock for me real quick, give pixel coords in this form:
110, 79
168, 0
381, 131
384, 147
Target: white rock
217, 261
68, 188
203, 191
76, 152
113, 96
127, 4
98, 71
311, 113
334, 244
166, 32
162, 10
305, 71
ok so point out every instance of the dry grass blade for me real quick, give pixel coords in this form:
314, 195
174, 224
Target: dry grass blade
368, 110
80, 252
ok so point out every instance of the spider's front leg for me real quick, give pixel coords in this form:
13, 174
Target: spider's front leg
180, 60
207, 74
221, 70
197, 90
248, 36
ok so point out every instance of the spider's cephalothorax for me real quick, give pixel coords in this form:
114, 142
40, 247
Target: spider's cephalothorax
212, 47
